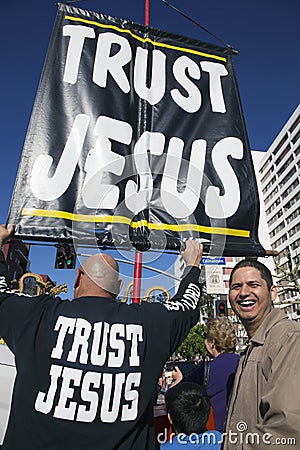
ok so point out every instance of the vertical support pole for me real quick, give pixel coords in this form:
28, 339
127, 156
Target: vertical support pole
147, 12
136, 291
137, 277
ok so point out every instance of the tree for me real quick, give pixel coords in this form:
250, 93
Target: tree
206, 305
288, 275
194, 343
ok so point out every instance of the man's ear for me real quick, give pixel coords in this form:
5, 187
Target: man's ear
120, 286
77, 278
273, 292
170, 419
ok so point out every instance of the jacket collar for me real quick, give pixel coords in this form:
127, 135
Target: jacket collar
274, 316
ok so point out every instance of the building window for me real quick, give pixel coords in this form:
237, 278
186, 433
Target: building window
291, 202
285, 166
283, 154
277, 230
271, 182
267, 174
273, 206
290, 188
293, 216
294, 230
287, 177
283, 140
279, 241
275, 217
265, 165
271, 195
295, 139
277, 259
295, 124
286, 295
284, 266
295, 244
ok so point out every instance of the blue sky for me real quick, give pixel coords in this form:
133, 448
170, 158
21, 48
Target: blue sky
266, 33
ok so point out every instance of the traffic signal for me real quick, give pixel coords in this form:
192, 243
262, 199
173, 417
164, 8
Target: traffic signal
221, 308
65, 257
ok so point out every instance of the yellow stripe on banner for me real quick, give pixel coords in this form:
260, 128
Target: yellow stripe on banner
141, 223
156, 44
74, 217
200, 228
125, 220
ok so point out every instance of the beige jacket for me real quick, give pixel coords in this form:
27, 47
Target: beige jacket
264, 410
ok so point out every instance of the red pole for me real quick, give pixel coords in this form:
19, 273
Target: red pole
137, 276
147, 12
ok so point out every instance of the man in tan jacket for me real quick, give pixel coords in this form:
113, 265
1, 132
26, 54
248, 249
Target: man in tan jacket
264, 410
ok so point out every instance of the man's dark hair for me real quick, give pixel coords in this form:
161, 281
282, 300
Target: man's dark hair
188, 405
264, 271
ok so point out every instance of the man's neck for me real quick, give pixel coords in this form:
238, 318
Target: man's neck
250, 329
98, 292
252, 326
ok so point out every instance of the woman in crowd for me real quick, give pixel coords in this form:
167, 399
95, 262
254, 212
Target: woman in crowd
221, 344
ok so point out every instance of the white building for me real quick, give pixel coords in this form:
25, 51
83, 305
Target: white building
280, 184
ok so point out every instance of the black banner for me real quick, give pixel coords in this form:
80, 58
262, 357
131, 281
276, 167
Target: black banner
136, 132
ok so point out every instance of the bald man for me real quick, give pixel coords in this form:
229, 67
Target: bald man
87, 369
101, 277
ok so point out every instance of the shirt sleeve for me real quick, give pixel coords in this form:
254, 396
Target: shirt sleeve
3, 275
197, 375
183, 308
168, 324
16, 309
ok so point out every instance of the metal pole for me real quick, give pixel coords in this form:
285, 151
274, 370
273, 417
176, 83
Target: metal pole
147, 12
138, 261
137, 277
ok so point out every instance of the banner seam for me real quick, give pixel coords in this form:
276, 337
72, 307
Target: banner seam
125, 220
155, 44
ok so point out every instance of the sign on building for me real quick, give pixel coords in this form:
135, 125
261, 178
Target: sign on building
214, 280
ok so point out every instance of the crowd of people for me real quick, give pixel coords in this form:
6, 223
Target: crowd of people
87, 369
221, 344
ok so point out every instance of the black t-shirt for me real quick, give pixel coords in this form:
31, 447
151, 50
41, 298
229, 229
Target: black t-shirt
87, 369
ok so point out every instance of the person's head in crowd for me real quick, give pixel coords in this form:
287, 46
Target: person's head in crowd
99, 276
264, 271
220, 336
251, 293
188, 408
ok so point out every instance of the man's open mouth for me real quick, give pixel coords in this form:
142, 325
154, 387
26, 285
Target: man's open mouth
247, 303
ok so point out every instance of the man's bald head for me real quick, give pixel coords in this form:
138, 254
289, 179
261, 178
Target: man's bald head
99, 272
